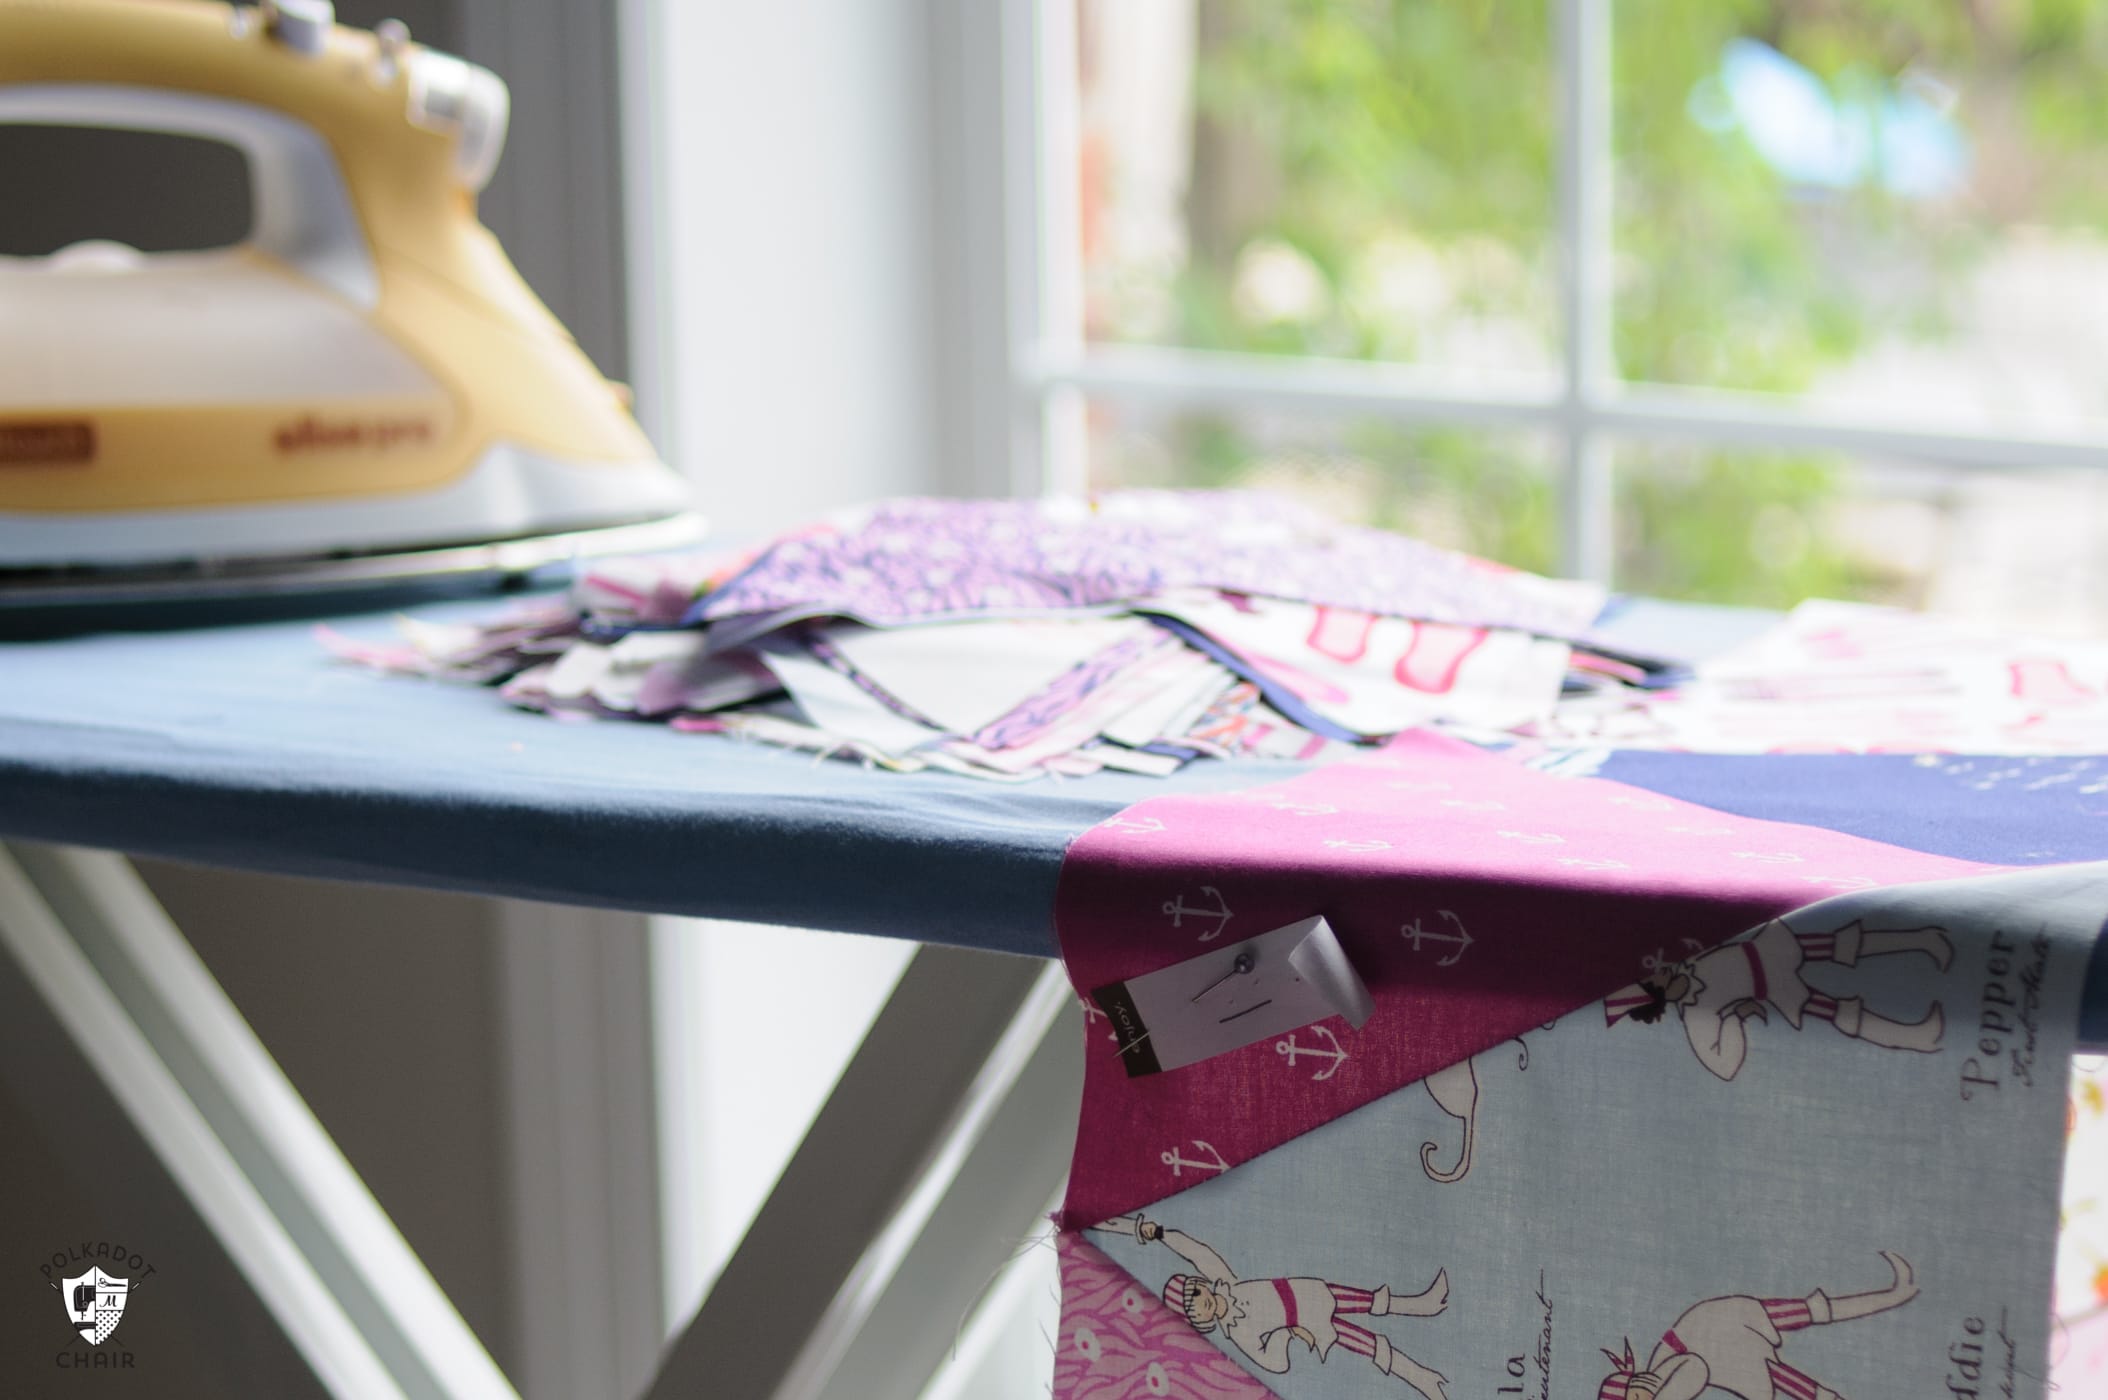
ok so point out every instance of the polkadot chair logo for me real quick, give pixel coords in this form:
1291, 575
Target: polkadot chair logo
95, 1299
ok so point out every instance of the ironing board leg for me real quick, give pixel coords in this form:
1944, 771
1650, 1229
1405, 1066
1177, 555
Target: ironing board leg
321, 1255
959, 1113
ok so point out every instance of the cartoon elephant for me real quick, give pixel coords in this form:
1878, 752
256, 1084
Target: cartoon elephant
1456, 1092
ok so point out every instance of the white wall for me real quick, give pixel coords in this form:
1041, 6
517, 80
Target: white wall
799, 265
755, 1027
806, 321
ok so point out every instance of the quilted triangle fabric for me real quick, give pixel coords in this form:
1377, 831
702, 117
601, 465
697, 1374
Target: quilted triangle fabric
1656, 1120
1120, 1339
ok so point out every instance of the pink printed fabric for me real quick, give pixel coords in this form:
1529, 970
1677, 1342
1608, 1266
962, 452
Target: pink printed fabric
1476, 897
2078, 1354
1119, 1342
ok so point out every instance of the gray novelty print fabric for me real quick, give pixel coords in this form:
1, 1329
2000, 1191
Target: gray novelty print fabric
1820, 1161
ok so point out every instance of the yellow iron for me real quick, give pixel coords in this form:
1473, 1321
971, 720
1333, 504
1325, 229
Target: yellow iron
364, 391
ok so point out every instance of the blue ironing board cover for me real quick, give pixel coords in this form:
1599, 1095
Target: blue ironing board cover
247, 746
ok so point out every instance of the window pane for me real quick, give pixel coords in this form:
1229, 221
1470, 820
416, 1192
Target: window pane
1900, 208
1352, 178
1491, 494
1768, 529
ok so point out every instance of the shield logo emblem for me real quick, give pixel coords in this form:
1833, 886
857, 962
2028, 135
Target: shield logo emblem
94, 1302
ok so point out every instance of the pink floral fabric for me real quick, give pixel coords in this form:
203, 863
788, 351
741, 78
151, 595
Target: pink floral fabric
2079, 1356
2080, 1351
1119, 1342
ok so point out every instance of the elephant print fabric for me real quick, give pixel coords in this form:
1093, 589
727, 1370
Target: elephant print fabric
1456, 1092
1865, 1210
1733, 1344
1264, 1318
1717, 994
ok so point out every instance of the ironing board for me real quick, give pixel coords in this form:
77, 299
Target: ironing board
248, 747
245, 746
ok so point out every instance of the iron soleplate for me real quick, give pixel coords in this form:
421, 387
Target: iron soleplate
292, 576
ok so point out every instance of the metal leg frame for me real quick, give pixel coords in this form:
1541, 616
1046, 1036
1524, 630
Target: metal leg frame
233, 1133
947, 1132
954, 1120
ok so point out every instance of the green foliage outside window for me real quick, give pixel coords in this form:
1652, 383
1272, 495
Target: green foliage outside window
1339, 133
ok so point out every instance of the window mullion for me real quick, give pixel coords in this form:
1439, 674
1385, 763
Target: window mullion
1050, 443
1582, 46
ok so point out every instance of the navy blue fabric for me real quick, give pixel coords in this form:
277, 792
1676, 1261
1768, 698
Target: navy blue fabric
248, 746
2007, 811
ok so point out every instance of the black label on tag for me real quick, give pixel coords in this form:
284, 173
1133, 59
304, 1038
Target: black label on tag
1119, 1007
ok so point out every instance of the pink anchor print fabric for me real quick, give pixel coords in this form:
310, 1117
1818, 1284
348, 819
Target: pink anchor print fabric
1121, 1342
1477, 899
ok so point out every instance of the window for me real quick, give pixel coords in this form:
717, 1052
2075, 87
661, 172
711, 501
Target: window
1618, 287
1742, 303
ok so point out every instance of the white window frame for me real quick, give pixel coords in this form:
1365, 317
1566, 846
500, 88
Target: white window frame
1053, 371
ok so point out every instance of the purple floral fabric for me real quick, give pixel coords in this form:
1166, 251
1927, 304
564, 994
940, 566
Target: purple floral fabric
1119, 1342
916, 559
1067, 692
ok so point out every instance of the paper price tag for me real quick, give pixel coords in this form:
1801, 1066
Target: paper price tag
1234, 995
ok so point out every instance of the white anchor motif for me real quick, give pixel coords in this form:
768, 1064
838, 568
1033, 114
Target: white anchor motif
1180, 911
1839, 882
1585, 863
1175, 1159
1139, 826
1770, 857
1534, 838
1414, 934
1305, 809
1359, 847
1091, 1014
1337, 1055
